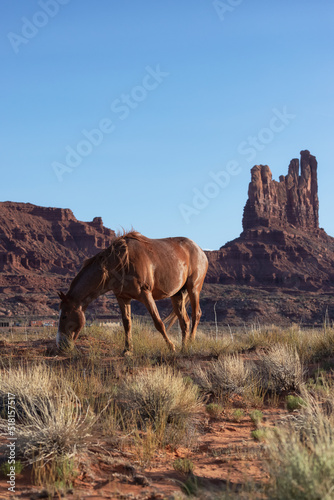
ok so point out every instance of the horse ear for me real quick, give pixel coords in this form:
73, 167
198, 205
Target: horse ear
62, 296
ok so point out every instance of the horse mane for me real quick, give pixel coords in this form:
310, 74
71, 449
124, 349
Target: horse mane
132, 235
118, 249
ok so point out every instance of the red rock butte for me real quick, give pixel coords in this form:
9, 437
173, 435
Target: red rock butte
293, 201
281, 244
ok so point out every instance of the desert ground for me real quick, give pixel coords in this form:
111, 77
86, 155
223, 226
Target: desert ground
242, 413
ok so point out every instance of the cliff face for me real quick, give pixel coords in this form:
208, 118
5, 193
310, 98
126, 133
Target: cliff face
44, 240
293, 201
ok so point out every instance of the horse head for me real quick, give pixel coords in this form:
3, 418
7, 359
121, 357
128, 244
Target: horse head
71, 320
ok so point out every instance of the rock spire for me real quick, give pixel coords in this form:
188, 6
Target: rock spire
293, 201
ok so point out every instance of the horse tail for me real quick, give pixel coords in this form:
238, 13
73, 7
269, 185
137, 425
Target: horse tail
172, 317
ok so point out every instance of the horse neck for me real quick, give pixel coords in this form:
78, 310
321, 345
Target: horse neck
88, 285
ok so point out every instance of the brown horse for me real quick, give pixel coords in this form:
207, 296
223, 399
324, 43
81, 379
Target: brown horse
136, 267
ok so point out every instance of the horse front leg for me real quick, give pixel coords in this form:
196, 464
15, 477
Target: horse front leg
125, 307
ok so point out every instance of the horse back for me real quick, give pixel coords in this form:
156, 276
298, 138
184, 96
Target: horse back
167, 263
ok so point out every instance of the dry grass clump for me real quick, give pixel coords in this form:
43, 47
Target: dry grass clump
53, 427
50, 419
311, 344
228, 374
22, 379
160, 400
322, 388
281, 368
206, 345
29, 384
147, 341
149, 345
56, 477
111, 337
301, 455
318, 345
92, 382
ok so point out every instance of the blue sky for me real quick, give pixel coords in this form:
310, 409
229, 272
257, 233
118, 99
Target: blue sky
151, 114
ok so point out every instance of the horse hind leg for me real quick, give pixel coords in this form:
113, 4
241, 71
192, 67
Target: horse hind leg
196, 312
178, 302
125, 307
150, 304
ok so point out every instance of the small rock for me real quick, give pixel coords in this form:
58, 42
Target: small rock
141, 480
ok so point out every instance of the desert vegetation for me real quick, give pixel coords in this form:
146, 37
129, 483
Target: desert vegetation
91, 409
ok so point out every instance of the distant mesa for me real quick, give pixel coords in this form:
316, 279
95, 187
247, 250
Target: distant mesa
47, 240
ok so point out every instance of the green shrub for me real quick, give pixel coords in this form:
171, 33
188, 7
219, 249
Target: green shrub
183, 465
259, 434
294, 402
256, 417
238, 415
191, 486
5, 467
214, 409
